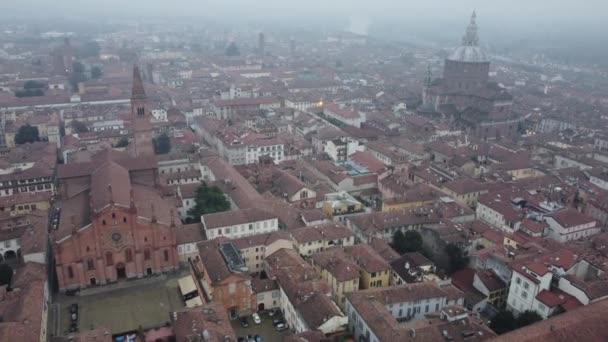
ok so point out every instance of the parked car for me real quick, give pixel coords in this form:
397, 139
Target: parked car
282, 326
74, 317
272, 312
242, 339
74, 308
72, 292
258, 338
244, 322
277, 321
256, 318
250, 338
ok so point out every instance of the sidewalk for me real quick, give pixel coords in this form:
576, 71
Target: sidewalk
125, 284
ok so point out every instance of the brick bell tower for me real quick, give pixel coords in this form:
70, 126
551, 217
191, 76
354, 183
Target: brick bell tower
140, 118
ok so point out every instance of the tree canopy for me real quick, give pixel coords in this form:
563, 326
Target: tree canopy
6, 275
123, 142
27, 134
31, 88
89, 49
458, 258
29, 92
79, 126
528, 317
411, 241
33, 85
503, 322
77, 75
162, 144
232, 50
96, 72
208, 200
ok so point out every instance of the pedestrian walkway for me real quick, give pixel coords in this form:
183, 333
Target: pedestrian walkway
125, 284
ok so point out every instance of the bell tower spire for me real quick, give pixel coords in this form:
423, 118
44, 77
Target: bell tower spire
140, 118
470, 37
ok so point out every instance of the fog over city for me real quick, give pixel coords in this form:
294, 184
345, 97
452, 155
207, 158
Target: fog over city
516, 15
303, 170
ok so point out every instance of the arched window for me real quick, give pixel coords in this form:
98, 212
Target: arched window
103, 222
109, 259
166, 255
113, 215
147, 254
124, 219
90, 264
128, 255
70, 272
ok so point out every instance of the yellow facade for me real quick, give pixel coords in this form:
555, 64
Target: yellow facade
376, 279
331, 211
340, 288
386, 207
525, 173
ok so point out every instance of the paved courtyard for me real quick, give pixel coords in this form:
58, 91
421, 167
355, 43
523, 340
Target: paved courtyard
266, 329
146, 305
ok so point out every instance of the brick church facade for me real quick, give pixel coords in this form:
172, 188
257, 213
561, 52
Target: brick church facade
465, 94
114, 222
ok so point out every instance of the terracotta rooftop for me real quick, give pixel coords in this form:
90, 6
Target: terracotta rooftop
587, 323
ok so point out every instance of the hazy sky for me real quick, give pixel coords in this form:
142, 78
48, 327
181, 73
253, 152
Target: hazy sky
515, 17
528, 9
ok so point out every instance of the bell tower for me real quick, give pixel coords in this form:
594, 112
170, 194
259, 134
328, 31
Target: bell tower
140, 118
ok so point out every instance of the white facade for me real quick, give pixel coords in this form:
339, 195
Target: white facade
495, 218
187, 251
312, 247
413, 310
107, 125
562, 234
523, 291
9, 247
269, 299
602, 183
242, 230
159, 115
254, 153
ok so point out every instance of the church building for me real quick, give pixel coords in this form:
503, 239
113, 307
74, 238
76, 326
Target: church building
114, 222
465, 95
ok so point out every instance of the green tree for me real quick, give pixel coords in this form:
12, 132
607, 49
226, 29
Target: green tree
528, 317
29, 92
96, 72
6, 275
232, 50
162, 144
457, 257
78, 68
33, 85
208, 200
89, 49
123, 142
79, 126
503, 322
77, 75
411, 241
27, 134
399, 241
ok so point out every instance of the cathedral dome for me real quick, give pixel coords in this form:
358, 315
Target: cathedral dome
470, 51
469, 54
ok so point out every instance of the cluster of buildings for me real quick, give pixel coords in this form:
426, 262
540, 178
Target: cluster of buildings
323, 167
